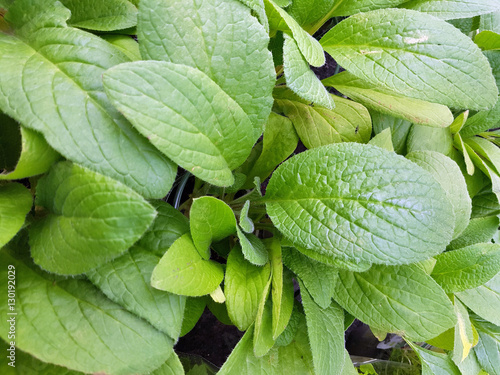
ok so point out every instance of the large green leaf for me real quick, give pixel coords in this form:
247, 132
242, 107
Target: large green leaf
185, 114
467, 268
415, 55
103, 15
372, 96
479, 230
435, 363
450, 177
90, 220
361, 204
325, 328
453, 9
316, 126
243, 287
126, 281
349, 7
220, 38
488, 347
183, 271
400, 299
52, 83
15, 203
70, 323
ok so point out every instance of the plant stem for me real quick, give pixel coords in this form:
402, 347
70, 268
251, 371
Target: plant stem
180, 189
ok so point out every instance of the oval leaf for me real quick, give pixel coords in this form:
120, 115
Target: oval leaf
15, 203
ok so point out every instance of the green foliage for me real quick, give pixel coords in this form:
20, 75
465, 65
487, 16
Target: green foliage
391, 216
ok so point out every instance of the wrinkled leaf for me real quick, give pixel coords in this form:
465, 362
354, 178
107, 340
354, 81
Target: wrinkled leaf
453, 9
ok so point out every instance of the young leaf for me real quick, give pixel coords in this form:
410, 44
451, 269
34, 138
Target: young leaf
309, 13
263, 338
479, 230
126, 44
183, 271
401, 299
464, 336
70, 323
488, 347
325, 328
415, 55
399, 129
210, 220
209, 139
434, 363
453, 9
383, 140
15, 203
220, 38
192, 313
107, 15
52, 83
341, 201
172, 366
253, 248
481, 122
300, 78
126, 281
245, 222
390, 103
425, 138
450, 177
90, 220
243, 286
488, 40
317, 126
486, 150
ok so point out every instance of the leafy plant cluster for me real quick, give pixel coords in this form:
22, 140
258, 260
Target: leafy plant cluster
388, 217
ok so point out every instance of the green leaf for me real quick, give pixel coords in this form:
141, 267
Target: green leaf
399, 129
464, 336
15, 203
425, 138
257, 6
318, 278
220, 38
415, 55
470, 365
317, 126
487, 150
459, 122
488, 347
484, 300
211, 220
192, 313
383, 140
479, 230
390, 103
310, 13
70, 323
301, 79
183, 271
194, 122
27, 15
326, 334
459, 144
293, 359
253, 248
279, 142
126, 44
481, 122
350, 7
126, 281
467, 268
244, 285
453, 9
310, 48
263, 337
488, 40
450, 177
245, 222
172, 366
51, 83
73, 237
101, 16
400, 299
485, 204
168, 226
435, 363
360, 203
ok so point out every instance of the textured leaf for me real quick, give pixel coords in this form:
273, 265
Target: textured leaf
192, 313
126, 44
349, 7
484, 300
168, 226
402, 299
210, 220
464, 336
318, 278
29, 15
70, 323
488, 347
263, 337
399, 129
102, 15
245, 222
479, 230
51, 83
485, 204
383, 140
220, 38
253, 248
126, 281
300, 78
490, 21
317, 126
342, 201
173, 366
481, 122
73, 237
449, 176
293, 359
257, 6
486, 150
326, 334
243, 286
185, 114
310, 48
183, 271
311, 13
15, 203
488, 40
425, 138
372, 96
435, 363
415, 55
453, 9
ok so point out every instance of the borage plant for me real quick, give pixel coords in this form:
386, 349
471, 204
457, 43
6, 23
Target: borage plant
102, 275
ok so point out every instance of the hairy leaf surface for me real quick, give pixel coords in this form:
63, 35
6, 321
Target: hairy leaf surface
435, 363
453, 9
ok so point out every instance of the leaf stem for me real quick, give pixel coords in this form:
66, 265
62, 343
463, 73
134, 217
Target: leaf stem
180, 189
